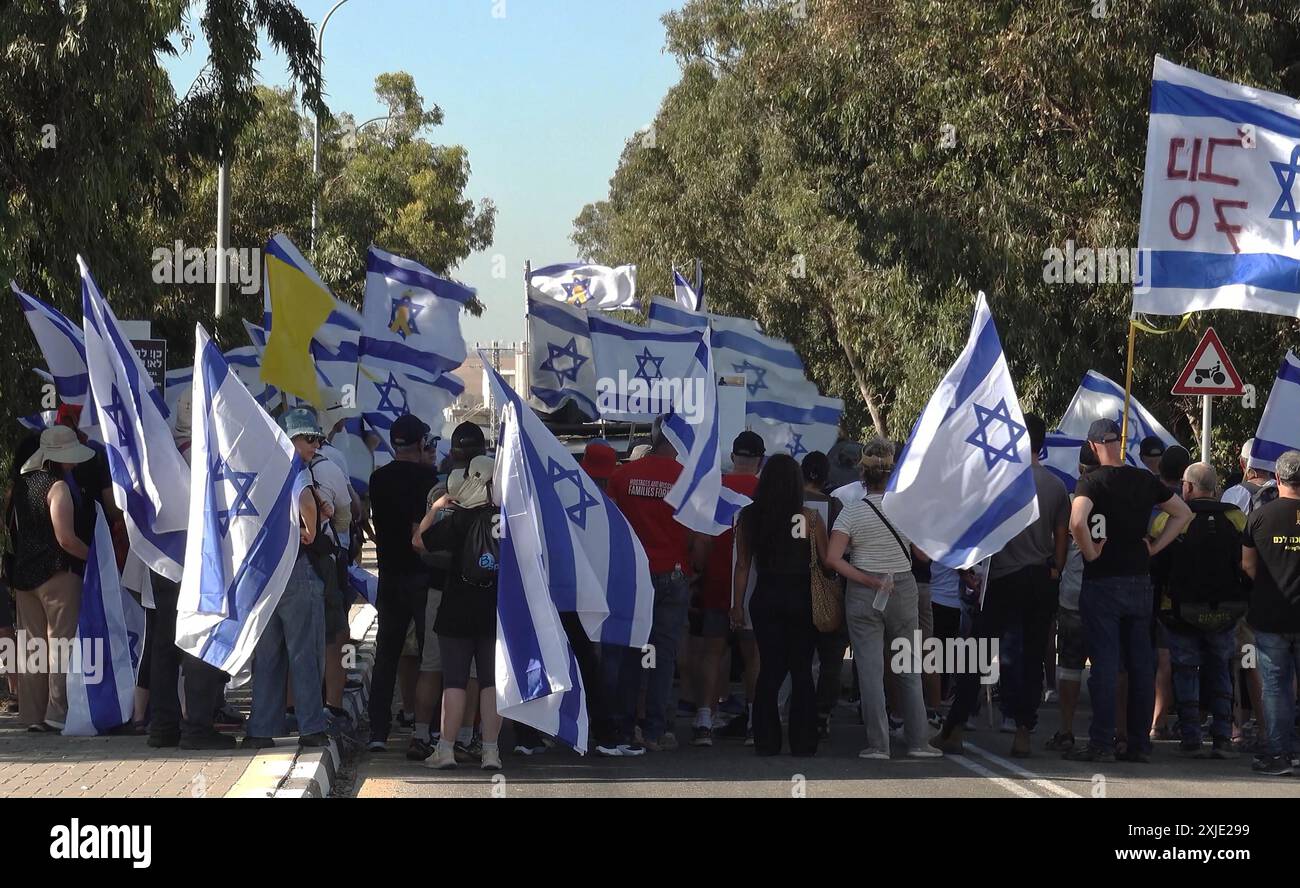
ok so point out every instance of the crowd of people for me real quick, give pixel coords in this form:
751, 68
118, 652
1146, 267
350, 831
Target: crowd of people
1181, 599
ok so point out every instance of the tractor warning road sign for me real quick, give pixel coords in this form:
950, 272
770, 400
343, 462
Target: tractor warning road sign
1210, 371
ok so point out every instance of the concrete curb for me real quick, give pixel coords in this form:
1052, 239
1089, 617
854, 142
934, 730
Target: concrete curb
288, 771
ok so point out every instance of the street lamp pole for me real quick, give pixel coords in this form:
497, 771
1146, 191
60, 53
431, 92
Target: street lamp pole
315, 148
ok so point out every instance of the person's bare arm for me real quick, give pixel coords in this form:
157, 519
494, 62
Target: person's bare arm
307, 507
740, 580
1080, 509
700, 545
1249, 561
835, 560
1179, 517
1061, 539
62, 516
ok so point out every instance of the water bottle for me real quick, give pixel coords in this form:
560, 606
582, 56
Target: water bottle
882, 594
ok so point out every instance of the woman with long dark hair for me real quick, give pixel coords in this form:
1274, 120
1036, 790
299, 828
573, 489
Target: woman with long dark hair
773, 539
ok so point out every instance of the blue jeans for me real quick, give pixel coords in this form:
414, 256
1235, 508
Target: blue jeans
293, 646
1279, 659
621, 667
1116, 615
1201, 658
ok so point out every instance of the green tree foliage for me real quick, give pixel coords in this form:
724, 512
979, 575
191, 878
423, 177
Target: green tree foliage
852, 171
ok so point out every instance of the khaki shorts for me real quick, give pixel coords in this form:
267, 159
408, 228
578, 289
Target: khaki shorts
410, 648
432, 660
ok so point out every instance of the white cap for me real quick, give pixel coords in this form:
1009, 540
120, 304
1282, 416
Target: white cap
1245, 448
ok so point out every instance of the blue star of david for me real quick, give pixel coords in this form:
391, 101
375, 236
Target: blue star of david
984, 418
578, 511
759, 373
116, 411
402, 319
796, 444
646, 358
582, 285
386, 402
241, 505
1285, 208
571, 352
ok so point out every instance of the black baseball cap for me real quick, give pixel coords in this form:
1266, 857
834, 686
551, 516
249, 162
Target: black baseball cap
1101, 429
408, 430
1152, 446
468, 436
749, 444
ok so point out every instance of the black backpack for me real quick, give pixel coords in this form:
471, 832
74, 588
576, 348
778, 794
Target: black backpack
481, 552
1204, 576
1260, 494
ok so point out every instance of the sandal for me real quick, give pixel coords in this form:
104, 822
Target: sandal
42, 728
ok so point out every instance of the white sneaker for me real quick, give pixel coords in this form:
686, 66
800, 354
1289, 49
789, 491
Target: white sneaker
875, 754
924, 752
491, 758
444, 759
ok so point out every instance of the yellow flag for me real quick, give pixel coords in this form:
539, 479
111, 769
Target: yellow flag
298, 309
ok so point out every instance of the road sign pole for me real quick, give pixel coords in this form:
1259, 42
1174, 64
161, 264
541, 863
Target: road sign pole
1206, 416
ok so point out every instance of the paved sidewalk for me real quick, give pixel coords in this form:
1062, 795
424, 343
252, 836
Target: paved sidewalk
51, 765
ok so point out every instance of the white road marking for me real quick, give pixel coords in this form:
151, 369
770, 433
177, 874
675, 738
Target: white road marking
1041, 782
1010, 786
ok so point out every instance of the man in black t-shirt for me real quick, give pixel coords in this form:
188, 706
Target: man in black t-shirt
398, 493
1270, 555
1109, 520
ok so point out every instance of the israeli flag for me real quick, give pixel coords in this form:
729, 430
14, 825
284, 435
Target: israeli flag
538, 681
684, 293
1279, 426
106, 651
586, 285
1220, 219
563, 362
642, 373
385, 393
797, 431
665, 313
64, 348
698, 497
419, 309
595, 565
150, 477
363, 582
965, 483
1098, 397
243, 523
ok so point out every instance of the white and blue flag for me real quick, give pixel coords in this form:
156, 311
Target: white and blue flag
64, 348
385, 393
107, 648
586, 285
563, 363
595, 565
970, 452
642, 372
243, 522
419, 309
538, 681
1279, 426
698, 497
684, 293
150, 477
1098, 397
799, 430
1220, 213
363, 582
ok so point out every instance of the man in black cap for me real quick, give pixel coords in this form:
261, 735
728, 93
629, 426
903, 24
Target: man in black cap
1108, 520
1151, 449
398, 494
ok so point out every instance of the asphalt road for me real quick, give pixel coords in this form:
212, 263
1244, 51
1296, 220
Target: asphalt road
730, 769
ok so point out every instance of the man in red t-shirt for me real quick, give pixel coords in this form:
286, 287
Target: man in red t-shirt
711, 614
638, 488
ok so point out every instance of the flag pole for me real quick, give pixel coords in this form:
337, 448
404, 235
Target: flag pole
1128, 386
525, 372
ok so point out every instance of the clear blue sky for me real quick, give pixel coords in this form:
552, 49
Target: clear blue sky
543, 98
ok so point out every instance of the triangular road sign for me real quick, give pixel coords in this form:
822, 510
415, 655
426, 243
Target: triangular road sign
1210, 371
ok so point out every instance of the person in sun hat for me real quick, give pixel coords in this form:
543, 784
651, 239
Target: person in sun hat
49, 559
